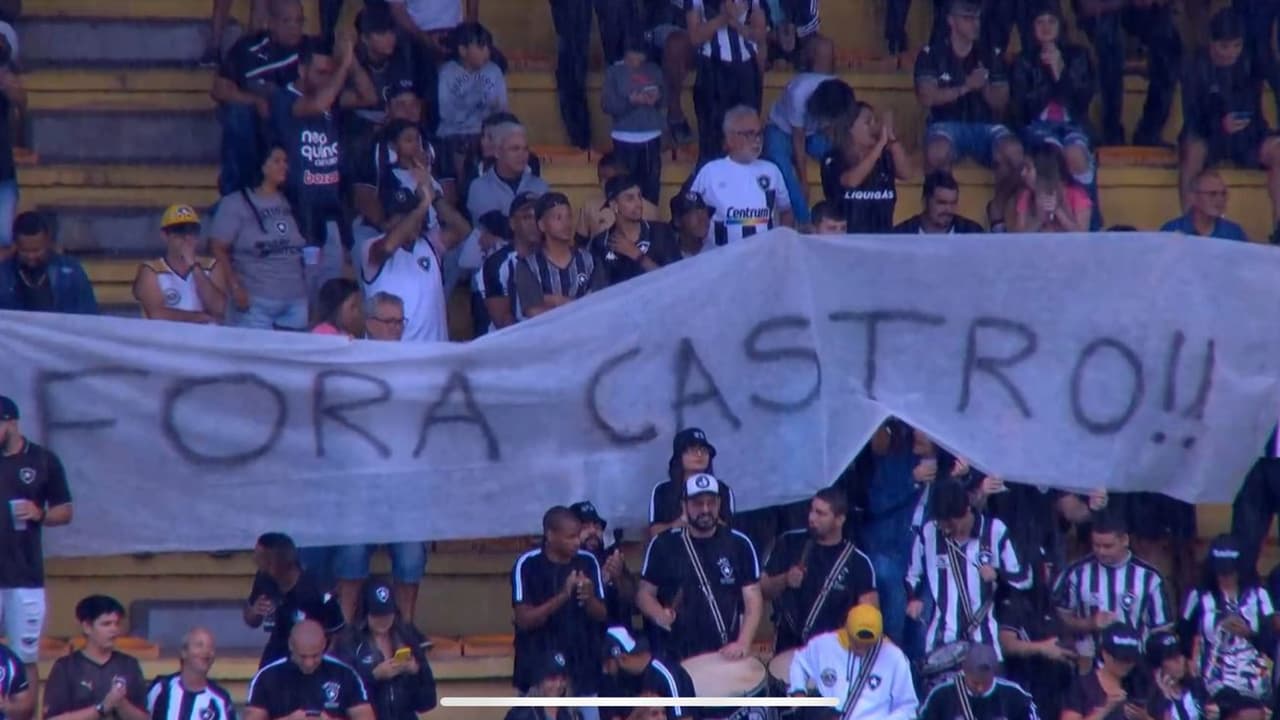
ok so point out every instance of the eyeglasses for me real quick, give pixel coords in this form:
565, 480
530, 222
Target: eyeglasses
389, 321
749, 134
1213, 193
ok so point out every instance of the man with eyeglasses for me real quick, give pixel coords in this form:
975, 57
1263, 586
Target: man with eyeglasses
1205, 212
177, 286
384, 317
747, 193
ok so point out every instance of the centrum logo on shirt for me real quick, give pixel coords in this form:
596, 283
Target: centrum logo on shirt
746, 216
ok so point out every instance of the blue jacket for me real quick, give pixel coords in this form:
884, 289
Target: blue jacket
72, 291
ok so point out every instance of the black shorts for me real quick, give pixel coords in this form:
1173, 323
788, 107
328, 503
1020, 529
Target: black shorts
1242, 150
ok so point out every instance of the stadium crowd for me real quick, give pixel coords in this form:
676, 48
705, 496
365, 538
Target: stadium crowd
366, 175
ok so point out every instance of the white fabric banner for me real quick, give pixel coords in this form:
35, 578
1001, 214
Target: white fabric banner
1133, 362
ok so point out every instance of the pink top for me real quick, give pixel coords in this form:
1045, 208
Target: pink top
326, 329
1077, 200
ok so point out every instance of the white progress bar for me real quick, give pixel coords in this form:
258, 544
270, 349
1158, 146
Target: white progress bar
648, 702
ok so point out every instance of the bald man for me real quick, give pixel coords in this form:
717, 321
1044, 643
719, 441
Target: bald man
189, 694
308, 684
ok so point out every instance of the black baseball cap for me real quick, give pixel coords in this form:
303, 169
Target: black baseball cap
618, 640
549, 201
375, 18
1226, 24
1046, 7
586, 512
617, 185
496, 224
981, 660
688, 438
965, 7
551, 664
1161, 646
8, 409
378, 599
1224, 555
521, 201
687, 201
1122, 642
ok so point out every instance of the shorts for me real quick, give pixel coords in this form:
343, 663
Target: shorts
1062, 135
969, 140
659, 35
408, 561
22, 610
1243, 150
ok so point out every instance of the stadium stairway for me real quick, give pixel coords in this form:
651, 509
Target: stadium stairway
120, 125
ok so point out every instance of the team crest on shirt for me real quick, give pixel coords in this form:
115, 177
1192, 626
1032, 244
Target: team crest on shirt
558, 658
985, 557
171, 297
208, 712
582, 279
828, 677
643, 246
27, 475
299, 616
282, 227
424, 262
763, 181
873, 682
403, 197
1128, 600
331, 693
726, 570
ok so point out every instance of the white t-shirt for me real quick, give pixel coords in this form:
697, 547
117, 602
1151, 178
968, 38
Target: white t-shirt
746, 198
433, 14
180, 292
788, 112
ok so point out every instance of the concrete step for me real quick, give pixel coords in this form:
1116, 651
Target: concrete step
98, 43
98, 136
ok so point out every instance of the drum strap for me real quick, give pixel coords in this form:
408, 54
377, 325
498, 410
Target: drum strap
825, 592
706, 588
960, 574
966, 708
864, 675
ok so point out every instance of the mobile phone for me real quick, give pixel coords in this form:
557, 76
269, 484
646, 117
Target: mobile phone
402, 655
1242, 115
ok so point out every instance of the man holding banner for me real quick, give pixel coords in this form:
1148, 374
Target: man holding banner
859, 666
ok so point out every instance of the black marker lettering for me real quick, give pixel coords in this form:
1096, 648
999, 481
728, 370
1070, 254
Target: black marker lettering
615, 434
174, 434
801, 353
873, 318
687, 360
322, 410
995, 366
1196, 409
45, 404
1106, 426
458, 382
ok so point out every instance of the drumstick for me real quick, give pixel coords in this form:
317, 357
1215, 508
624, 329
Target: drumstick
804, 553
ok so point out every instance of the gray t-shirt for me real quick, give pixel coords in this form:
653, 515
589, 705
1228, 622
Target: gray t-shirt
266, 247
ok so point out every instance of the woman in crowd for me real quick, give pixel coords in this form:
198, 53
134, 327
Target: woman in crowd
259, 249
1050, 200
1226, 618
861, 174
391, 657
340, 309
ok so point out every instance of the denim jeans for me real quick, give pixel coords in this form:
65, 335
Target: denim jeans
777, 148
8, 208
239, 146
272, 314
408, 561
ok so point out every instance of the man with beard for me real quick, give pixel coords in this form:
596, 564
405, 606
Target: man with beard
189, 694
701, 583
619, 581
631, 670
632, 246
38, 279
814, 576
691, 454
941, 198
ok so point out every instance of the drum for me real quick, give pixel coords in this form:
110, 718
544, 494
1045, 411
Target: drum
715, 676
945, 659
780, 670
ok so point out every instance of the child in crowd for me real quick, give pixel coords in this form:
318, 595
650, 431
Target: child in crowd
471, 88
634, 98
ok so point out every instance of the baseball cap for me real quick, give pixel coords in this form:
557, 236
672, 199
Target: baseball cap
965, 7
1226, 24
691, 437
550, 665
1121, 642
863, 623
701, 484
547, 202
375, 18
378, 599
980, 660
687, 201
1046, 7
586, 512
179, 215
619, 641
1161, 646
1224, 555
495, 223
521, 201
8, 409
617, 185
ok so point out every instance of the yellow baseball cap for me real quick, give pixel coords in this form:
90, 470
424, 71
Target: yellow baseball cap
864, 623
179, 215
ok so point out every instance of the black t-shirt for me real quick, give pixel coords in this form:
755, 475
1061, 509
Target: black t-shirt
304, 601
660, 678
257, 64
851, 579
403, 696
1031, 514
36, 297
314, 150
13, 674
937, 62
666, 502
619, 613
76, 682
1209, 93
535, 579
868, 208
1045, 679
281, 688
960, 225
1006, 700
656, 241
1086, 695
34, 474
727, 560
395, 74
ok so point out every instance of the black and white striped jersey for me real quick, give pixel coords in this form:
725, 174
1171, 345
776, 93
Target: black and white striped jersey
1133, 591
1203, 610
727, 45
168, 699
959, 593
